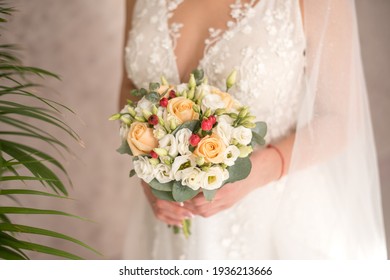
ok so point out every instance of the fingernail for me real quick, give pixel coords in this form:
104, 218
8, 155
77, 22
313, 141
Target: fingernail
181, 204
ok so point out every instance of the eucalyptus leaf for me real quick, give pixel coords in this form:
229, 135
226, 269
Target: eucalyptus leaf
124, 148
153, 86
240, 170
257, 139
182, 193
132, 173
166, 187
198, 75
153, 97
191, 125
260, 129
162, 195
209, 194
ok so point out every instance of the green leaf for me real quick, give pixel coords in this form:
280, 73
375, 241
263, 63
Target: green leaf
162, 195
153, 97
136, 92
29, 192
182, 193
24, 210
40, 248
257, 139
124, 149
209, 194
153, 86
198, 75
167, 187
132, 173
39, 231
240, 170
260, 129
8, 254
191, 125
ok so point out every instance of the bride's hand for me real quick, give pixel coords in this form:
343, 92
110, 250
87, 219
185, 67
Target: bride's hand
225, 198
171, 213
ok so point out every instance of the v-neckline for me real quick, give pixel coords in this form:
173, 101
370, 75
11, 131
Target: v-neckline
206, 52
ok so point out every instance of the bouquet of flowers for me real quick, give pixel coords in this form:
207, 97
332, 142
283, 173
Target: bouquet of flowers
188, 138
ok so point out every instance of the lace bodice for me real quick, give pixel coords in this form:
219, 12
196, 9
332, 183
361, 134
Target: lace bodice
263, 41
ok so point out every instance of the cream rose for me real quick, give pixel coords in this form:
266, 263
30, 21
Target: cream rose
182, 109
211, 148
144, 169
226, 98
141, 139
242, 134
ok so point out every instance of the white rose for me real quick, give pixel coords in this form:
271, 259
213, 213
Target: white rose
143, 104
242, 134
144, 169
192, 177
230, 155
163, 173
183, 141
224, 131
180, 164
212, 101
169, 143
214, 178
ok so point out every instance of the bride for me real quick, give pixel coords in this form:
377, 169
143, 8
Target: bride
313, 192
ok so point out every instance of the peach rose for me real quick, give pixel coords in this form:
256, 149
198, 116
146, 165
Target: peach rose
225, 97
140, 139
182, 109
211, 148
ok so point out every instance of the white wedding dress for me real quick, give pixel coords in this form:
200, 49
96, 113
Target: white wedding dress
265, 43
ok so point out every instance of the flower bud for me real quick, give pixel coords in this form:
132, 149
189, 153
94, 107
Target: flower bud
161, 151
172, 124
245, 151
249, 119
231, 79
167, 160
192, 82
243, 113
115, 117
164, 81
233, 116
207, 113
191, 93
146, 113
154, 109
199, 161
220, 111
154, 161
248, 124
126, 119
140, 119
196, 108
198, 94
131, 111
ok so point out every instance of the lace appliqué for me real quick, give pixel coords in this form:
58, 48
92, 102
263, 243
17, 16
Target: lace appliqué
174, 27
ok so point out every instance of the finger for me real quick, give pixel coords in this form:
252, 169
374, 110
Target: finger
169, 221
173, 210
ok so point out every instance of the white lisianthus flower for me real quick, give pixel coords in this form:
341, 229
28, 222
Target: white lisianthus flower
159, 132
183, 141
168, 119
224, 131
144, 169
214, 178
212, 101
169, 143
230, 155
143, 104
182, 87
225, 119
163, 173
242, 134
192, 177
180, 164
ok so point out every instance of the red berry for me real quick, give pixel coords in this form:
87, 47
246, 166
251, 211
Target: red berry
164, 102
153, 154
194, 140
153, 120
212, 119
172, 94
206, 125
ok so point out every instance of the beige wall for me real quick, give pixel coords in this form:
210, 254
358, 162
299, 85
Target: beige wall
81, 40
